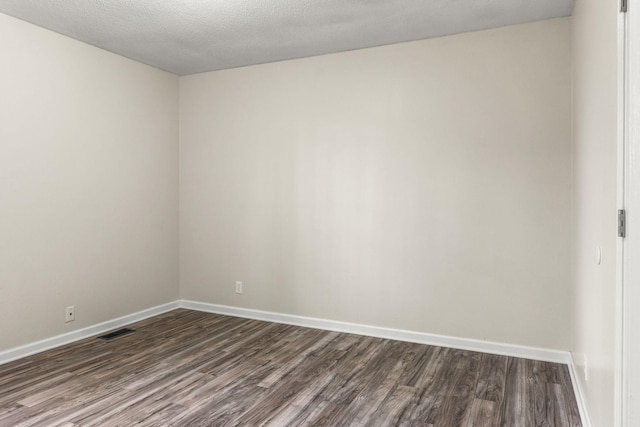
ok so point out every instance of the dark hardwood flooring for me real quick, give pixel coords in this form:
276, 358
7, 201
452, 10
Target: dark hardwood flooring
187, 368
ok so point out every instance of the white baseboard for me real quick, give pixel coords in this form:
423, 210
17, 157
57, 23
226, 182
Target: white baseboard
59, 340
534, 353
579, 392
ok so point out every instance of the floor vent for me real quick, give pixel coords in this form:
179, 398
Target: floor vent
115, 334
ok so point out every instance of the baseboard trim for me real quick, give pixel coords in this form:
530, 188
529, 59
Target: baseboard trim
59, 340
502, 349
579, 392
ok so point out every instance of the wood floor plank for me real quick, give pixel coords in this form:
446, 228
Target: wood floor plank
361, 410
514, 406
492, 377
480, 414
328, 414
436, 386
190, 368
460, 393
395, 404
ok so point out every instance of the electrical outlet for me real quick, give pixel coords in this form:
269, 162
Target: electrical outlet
238, 287
70, 314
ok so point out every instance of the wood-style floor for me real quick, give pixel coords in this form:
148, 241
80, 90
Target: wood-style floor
187, 368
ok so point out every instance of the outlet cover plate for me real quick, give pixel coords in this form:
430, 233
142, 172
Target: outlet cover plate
70, 314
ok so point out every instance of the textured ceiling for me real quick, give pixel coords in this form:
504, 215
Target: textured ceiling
191, 36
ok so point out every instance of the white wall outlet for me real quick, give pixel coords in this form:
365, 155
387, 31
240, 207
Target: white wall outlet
238, 287
70, 314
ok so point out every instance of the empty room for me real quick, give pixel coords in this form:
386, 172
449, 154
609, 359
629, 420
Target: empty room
339, 213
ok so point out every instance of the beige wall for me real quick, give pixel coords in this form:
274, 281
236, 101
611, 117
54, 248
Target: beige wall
88, 184
594, 40
423, 186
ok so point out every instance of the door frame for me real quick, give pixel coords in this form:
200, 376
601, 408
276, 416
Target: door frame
627, 370
620, 403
